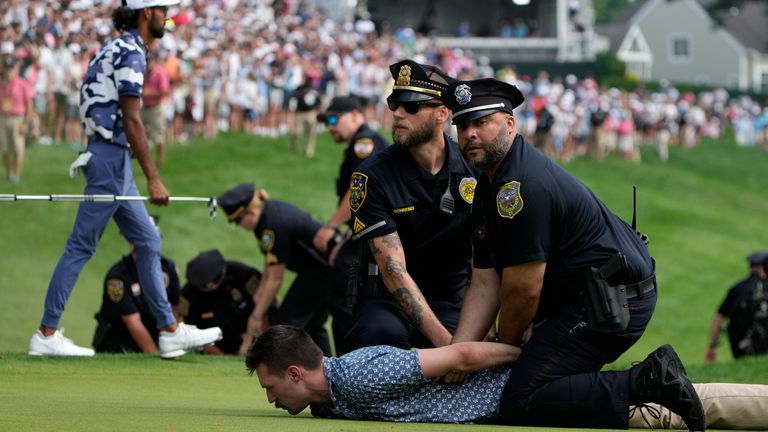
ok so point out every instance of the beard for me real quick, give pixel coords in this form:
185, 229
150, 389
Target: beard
157, 30
492, 153
417, 136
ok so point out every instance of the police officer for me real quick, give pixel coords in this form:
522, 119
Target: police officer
542, 242
739, 301
219, 293
285, 235
346, 123
410, 202
125, 322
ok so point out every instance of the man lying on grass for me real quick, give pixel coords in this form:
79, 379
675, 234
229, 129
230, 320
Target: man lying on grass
391, 384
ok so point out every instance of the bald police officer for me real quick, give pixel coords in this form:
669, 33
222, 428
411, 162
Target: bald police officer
219, 293
542, 243
346, 123
285, 235
410, 203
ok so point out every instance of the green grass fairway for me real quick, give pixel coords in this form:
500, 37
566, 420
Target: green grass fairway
704, 211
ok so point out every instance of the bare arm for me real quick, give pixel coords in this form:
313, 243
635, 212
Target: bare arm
465, 357
339, 218
137, 138
390, 257
262, 299
714, 335
481, 306
139, 333
519, 295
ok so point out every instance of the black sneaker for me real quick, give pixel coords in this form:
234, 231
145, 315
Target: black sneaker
661, 378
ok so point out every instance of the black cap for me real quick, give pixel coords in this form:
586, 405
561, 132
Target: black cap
206, 267
757, 258
235, 200
340, 105
415, 82
470, 100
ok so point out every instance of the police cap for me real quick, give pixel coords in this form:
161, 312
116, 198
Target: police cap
206, 267
415, 82
235, 200
339, 105
757, 258
470, 100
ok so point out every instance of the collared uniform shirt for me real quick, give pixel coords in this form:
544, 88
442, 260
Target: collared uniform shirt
285, 235
534, 210
227, 307
117, 69
387, 383
123, 295
391, 192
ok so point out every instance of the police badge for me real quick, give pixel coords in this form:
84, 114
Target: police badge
404, 76
462, 94
115, 290
267, 240
467, 189
509, 202
358, 187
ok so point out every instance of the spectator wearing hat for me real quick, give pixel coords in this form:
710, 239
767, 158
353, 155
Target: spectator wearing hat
15, 115
110, 106
346, 123
125, 321
738, 308
285, 235
410, 202
538, 236
219, 293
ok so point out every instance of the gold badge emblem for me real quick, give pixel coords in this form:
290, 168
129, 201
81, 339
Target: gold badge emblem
358, 226
358, 187
115, 290
267, 240
467, 188
509, 202
363, 148
404, 76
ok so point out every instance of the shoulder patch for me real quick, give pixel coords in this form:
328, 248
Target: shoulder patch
363, 147
467, 188
267, 240
358, 188
508, 200
115, 290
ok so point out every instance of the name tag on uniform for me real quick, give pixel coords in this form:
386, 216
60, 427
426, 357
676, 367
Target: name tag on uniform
403, 209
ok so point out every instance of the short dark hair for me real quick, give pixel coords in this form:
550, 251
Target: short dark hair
282, 346
124, 18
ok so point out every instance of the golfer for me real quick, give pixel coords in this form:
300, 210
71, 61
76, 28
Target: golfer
110, 100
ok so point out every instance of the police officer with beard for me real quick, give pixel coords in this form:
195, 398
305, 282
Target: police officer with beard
410, 202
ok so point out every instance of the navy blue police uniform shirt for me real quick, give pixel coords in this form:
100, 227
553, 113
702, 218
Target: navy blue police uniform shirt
285, 235
227, 307
391, 192
363, 144
534, 210
123, 295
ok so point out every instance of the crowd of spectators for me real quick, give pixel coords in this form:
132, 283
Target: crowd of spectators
235, 64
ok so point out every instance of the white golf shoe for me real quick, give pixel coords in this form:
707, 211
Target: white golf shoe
186, 338
56, 345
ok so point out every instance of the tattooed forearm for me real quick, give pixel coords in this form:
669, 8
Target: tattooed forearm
374, 249
394, 268
392, 240
409, 304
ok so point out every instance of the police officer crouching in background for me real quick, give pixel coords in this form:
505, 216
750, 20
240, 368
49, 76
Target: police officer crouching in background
410, 203
125, 322
285, 235
549, 254
346, 123
219, 293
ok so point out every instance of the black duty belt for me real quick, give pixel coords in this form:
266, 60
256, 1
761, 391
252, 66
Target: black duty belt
637, 289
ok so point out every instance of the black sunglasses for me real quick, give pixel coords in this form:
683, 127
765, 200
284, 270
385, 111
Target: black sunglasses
411, 107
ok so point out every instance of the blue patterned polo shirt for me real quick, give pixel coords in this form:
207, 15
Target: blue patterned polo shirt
387, 383
116, 70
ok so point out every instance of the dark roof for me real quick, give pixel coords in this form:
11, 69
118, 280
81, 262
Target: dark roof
749, 25
616, 30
